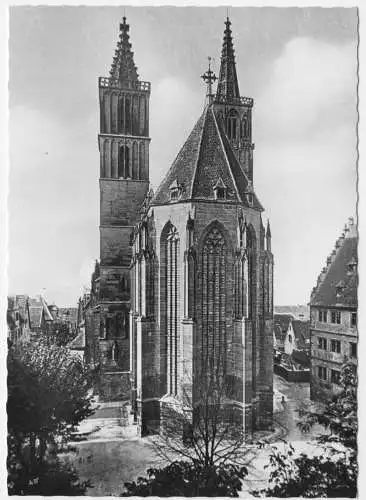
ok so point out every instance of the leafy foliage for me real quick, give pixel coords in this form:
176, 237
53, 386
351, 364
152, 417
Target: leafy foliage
332, 473
189, 479
48, 396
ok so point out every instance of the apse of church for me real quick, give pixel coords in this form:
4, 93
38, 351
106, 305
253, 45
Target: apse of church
202, 267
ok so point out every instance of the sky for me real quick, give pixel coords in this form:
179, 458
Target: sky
299, 65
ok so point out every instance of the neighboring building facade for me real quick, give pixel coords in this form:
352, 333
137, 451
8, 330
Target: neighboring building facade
333, 312
18, 320
202, 268
281, 323
297, 336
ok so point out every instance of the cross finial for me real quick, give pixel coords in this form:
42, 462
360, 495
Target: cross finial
209, 78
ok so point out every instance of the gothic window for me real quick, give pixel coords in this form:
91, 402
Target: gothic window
142, 174
244, 127
121, 115
232, 124
126, 324
213, 256
107, 159
135, 115
121, 157
142, 116
114, 113
134, 161
190, 284
107, 113
251, 244
115, 352
266, 285
128, 115
170, 302
127, 163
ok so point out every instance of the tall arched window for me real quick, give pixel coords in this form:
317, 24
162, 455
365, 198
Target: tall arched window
121, 157
128, 166
251, 245
232, 124
121, 115
142, 116
135, 161
170, 279
213, 285
142, 161
114, 110
128, 115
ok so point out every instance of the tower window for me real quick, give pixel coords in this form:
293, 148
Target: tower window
232, 124
250, 199
353, 319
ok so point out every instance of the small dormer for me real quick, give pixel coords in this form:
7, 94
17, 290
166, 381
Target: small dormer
340, 286
175, 191
220, 190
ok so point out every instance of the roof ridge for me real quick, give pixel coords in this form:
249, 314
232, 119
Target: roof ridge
205, 111
226, 158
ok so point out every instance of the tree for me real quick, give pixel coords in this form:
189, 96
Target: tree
59, 332
48, 396
202, 438
334, 472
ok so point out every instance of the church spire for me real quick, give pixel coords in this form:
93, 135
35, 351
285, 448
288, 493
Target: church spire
123, 67
227, 87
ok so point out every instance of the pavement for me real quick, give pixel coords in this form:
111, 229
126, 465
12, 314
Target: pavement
111, 435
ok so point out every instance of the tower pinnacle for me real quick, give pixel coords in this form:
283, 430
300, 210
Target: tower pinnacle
123, 67
227, 87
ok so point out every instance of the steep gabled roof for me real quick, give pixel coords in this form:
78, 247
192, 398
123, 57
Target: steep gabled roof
283, 321
205, 157
329, 292
301, 331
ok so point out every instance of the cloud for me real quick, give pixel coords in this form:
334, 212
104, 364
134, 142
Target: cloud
312, 83
305, 157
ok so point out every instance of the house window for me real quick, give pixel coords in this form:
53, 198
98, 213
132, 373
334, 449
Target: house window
353, 319
323, 316
353, 349
336, 346
335, 376
322, 372
335, 317
322, 343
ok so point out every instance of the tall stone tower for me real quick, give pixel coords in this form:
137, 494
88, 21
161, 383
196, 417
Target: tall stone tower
124, 183
202, 269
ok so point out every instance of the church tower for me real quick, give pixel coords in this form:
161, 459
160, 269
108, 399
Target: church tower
124, 182
202, 270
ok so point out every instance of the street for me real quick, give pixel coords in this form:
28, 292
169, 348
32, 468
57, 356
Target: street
113, 454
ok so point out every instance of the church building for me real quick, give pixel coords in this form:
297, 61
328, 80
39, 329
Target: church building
190, 265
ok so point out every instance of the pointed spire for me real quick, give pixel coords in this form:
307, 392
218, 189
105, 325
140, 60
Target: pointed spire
227, 87
268, 229
123, 67
268, 237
